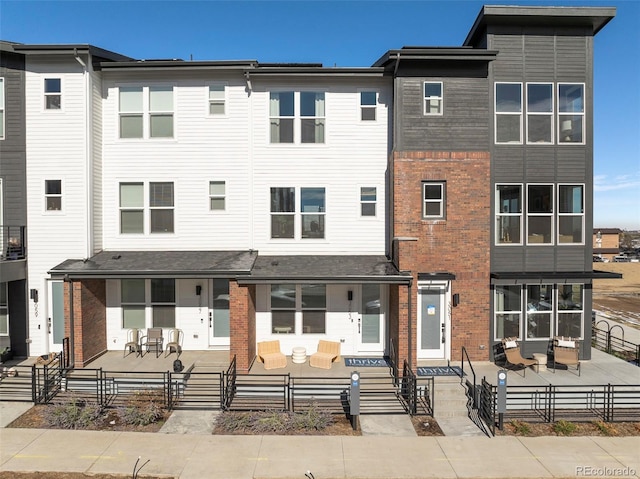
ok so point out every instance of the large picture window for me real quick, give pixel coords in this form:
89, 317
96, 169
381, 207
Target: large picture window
298, 309
508, 214
162, 304
508, 109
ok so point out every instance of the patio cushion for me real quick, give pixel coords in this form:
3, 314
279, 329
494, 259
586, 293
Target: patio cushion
564, 343
510, 344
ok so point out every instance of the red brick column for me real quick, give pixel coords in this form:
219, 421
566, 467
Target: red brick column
89, 336
242, 319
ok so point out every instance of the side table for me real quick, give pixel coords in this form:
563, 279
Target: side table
542, 362
298, 355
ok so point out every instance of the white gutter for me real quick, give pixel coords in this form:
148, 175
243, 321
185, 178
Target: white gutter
88, 163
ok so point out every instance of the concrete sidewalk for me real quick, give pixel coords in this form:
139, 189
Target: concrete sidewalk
187, 456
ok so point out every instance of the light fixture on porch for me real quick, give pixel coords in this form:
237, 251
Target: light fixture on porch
198, 290
456, 300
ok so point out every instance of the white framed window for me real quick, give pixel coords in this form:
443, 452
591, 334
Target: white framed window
571, 113
433, 200
314, 308
145, 112
539, 311
508, 214
539, 214
368, 105
312, 212
217, 99
570, 214
52, 93
508, 113
540, 113
131, 208
283, 308
283, 212
508, 311
161, 207
2, 109
309, 212
163, 302
217, 196
53, 195
570, 315
298, 308
4, 310
368, 199
433, 98
133, 303
297, 117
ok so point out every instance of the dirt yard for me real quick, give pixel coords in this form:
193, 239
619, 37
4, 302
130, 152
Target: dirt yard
619, 297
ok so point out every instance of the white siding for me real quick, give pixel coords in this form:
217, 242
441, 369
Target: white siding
56, 149
96, 151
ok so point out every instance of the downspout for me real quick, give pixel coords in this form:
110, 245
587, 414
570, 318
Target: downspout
88, 170
72, 360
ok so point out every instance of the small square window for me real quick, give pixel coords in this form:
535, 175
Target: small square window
217, 99
433, 197
368, 201
53, 195
52, 94
433, 98
368, 103
216, 195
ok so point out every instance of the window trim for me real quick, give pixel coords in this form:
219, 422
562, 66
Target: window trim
496, 113
500, 214
583, 114
552, 215
551, 114
363, 107
224, 101
46, 94
54, 195
426, 98
559, 214
3, 110
443, 200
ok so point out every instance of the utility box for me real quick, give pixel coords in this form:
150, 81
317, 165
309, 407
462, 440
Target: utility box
354, 399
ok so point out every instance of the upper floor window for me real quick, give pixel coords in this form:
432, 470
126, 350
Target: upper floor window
216, 195
539, 214
368, 105
1, 108
52, 93
571, 113
508, 214
539, 113
433, 197
508, 109
53, 195
570, 214
149, 116
433, 98
160, 208
310, 213
217, 99
297, 117
368, 201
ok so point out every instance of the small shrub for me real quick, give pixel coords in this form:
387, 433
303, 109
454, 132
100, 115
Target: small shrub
143, 408
74, 414
313, 418
270, 421
278, 422
605, 428
564, 428
521, 428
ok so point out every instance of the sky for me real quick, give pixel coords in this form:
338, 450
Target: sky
351, 33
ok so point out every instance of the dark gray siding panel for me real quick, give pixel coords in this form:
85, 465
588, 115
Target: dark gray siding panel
540, 165
509, 65
508, 258
537, 52
508, 165
573, 164
567, 257
463, 126
571, 52
539, 258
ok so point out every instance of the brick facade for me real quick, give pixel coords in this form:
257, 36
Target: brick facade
89, 338
457, 244
242, 323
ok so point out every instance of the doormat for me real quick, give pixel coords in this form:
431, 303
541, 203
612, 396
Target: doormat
366, 362
440, 371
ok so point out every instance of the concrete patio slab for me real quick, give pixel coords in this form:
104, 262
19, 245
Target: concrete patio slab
190, 422
387, 425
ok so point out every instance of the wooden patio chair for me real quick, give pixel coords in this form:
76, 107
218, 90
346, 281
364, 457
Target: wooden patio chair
328, 352
176, 337
566, 351
152, 340
514, 357
133, 342
269, 353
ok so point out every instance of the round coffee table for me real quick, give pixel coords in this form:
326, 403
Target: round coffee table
298, 355
542, 361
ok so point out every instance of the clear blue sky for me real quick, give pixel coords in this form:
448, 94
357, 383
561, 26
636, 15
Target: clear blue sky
354, 33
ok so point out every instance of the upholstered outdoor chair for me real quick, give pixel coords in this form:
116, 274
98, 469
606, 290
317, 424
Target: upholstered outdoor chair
514, 357
133, 342
153, 340
566, 351
328, 352
176, 337
269, 353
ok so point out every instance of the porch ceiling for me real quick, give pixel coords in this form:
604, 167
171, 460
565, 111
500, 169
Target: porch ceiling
326, 269
158, 264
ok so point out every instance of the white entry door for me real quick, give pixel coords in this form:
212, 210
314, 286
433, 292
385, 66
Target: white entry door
433, 321
219, 313
371, 330
55, 315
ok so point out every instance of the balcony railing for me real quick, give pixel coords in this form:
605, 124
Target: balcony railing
13, 242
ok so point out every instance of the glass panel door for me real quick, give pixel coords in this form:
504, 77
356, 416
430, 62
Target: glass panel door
370, 324
55, 316
219, 314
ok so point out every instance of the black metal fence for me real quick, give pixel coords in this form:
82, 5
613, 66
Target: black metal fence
579, 403
610, 339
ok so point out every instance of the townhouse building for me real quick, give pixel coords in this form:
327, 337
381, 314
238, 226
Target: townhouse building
439, 199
